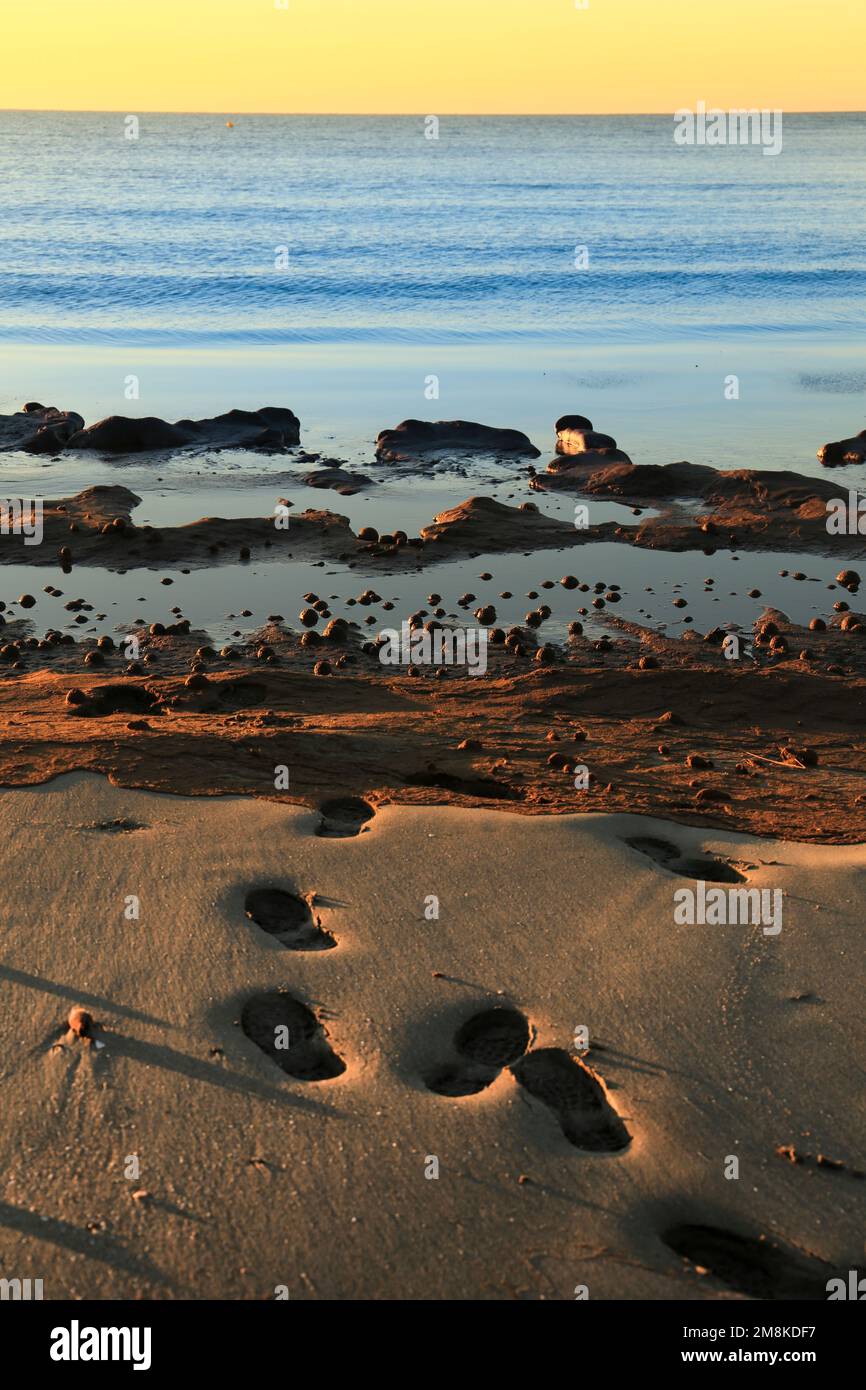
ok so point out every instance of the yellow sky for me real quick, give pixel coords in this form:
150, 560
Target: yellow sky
432, 56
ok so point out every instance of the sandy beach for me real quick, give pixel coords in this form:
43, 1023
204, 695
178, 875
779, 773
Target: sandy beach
346, 969
432, 675
705, 1041
349, 973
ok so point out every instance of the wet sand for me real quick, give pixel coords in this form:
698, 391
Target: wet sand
699, 744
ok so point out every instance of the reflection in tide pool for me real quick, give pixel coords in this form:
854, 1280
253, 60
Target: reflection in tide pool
213, 599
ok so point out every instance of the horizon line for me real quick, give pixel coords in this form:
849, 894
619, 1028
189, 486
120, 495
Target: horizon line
399, 115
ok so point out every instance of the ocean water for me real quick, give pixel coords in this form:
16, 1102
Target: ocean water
395, 238
405, 258
346, 267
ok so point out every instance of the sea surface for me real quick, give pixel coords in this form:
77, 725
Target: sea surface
510, 271
339, 262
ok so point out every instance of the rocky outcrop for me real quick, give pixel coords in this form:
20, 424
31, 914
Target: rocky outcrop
38, 429
423, 436
487, 526
570, 471
751, 508
844, 451
638, 482
271, 429
95, 528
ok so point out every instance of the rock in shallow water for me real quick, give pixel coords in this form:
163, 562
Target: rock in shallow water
844, 451
420, 436
577, 439
38, 429
273, 428
338, 479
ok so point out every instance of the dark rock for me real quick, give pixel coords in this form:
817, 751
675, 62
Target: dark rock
572, 470
337, 479
558, 760
572, 422
641, 480
39, 429
421, 436
844, 451
270, 429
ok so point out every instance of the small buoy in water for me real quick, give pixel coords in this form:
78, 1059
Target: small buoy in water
230, 125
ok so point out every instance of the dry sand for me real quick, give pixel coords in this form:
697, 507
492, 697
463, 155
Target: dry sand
711, 1041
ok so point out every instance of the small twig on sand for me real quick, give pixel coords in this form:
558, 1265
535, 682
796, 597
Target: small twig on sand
775, 762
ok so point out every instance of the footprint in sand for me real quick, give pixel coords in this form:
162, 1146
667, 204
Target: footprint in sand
288, 1032
485, 1043
756, 1268
497, 1038
288, 919
705, 867
241, 694
344, 817
112, 699
571, 1089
